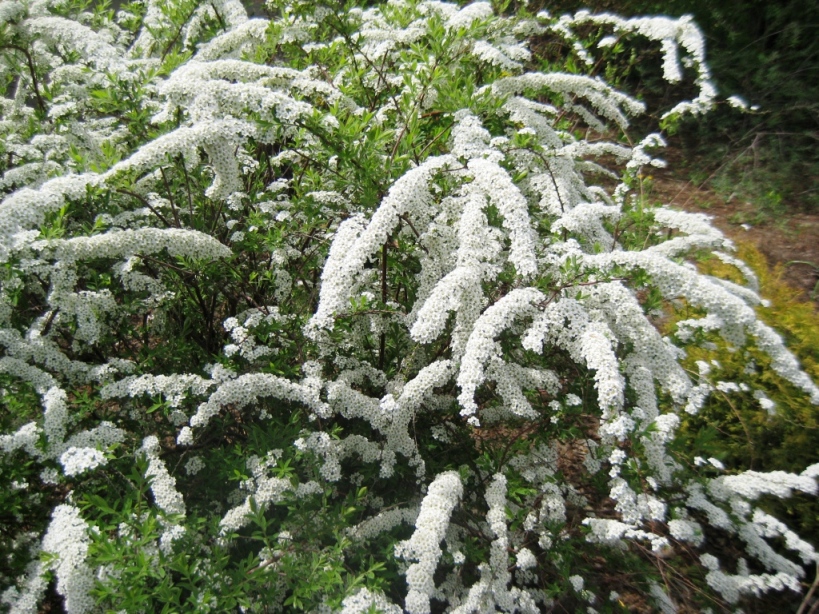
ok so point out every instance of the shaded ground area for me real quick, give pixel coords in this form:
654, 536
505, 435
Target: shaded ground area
788, 237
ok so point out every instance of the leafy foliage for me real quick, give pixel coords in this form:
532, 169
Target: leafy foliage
766, 55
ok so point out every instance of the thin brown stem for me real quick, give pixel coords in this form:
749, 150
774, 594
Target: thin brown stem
142, 199
33, 72
382, 345
170, 197
187, 186
736, 413
182, 27
803, 607
218, 16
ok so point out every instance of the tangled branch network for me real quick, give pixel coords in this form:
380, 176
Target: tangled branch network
361, 310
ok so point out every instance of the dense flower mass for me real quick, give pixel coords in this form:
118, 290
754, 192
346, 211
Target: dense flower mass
344, 311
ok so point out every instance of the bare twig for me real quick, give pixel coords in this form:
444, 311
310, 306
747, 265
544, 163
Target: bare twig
146, 203
382, 344
33, 72
806, 601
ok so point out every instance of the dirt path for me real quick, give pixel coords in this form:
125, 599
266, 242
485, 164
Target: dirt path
783, 240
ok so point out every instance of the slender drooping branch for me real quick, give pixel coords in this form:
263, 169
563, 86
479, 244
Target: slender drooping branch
382, 345
144, 201
33, 72
170, 45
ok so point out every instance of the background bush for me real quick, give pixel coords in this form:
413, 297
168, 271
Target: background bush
766, 53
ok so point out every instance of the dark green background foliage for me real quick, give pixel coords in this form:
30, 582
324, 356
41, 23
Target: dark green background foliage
765, 52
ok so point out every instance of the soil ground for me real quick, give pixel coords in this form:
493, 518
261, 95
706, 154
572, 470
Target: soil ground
788, 237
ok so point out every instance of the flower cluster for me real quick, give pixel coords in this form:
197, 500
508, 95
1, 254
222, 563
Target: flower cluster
424, 546
67, 538
163, 485
263, 490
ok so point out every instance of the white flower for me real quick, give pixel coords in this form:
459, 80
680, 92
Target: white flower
716, 463
482, 345
67, 537
194, 465
169, 536
163, 485
737, 102
424, 545
525, 559
79, 460
410, 194
364, 601
686, 530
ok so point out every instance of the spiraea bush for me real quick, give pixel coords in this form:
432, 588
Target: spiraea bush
355, 310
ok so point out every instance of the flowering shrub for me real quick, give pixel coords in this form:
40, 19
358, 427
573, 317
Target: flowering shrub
356, 311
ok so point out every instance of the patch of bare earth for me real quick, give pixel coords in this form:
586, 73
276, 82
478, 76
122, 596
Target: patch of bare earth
790, 239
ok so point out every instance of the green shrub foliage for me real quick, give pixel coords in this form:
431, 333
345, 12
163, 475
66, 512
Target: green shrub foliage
356, 310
